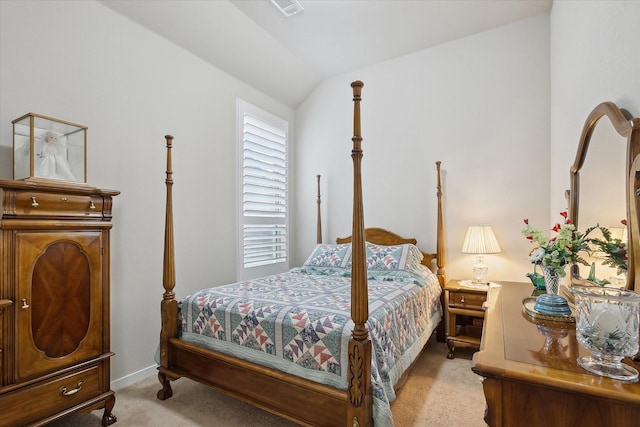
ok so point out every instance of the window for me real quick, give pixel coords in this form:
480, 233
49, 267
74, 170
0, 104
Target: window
263, 227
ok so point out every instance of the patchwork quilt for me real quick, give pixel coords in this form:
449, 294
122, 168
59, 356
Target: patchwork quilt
299, 322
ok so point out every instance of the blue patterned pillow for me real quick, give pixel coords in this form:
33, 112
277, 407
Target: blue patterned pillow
330, 256
398, 257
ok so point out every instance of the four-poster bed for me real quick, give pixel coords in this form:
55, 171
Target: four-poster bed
315, 362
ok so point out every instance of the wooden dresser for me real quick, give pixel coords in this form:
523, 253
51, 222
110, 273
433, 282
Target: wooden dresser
54, 301
531, 376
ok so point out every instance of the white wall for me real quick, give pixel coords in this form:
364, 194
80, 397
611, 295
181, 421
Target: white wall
82, 62
594, 58
479, 104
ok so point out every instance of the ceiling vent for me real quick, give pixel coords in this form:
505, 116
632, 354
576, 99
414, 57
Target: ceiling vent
288, 7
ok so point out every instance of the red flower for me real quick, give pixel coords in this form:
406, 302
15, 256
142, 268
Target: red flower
553, 239
564, 214
526, 220
568, 221
556, 227
530, 238
622, 221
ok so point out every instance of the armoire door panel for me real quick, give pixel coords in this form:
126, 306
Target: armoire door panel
59, 299
60, 313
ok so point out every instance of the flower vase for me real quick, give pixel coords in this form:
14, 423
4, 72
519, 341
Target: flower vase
551, 303
551, 279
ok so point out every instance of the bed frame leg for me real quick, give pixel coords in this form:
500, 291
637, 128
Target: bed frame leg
166, 391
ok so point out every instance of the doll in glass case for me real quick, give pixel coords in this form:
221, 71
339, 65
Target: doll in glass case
52, 162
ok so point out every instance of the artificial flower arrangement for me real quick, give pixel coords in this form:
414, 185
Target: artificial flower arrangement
560, 250
614, 250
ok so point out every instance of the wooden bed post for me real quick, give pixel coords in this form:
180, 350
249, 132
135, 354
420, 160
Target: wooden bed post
359, 412
440, 258
441, 333
319, 216
168, 306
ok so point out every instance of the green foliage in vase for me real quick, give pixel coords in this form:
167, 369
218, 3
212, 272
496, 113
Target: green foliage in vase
560, 250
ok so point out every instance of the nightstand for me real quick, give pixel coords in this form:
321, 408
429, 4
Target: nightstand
465, 313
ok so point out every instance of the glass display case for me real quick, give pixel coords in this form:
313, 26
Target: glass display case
48, 148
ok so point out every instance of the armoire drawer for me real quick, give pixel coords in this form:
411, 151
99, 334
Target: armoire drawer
41, 204
43, 399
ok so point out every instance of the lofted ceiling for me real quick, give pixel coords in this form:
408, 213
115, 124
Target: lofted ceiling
286, 58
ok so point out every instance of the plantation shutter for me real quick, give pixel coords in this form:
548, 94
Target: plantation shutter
264, 192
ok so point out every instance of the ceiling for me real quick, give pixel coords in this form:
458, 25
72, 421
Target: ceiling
286, 58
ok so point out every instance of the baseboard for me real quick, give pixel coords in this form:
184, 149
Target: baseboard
140, 375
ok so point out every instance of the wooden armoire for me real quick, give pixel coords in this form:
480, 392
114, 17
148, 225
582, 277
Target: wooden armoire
54, 301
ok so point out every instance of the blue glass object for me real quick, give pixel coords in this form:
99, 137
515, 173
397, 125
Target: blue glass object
553, 305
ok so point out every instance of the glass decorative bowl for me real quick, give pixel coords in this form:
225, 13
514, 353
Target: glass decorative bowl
607, 325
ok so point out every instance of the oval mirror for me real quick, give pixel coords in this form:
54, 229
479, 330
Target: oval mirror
598, 193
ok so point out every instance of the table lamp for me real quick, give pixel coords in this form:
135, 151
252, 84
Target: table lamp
480, 240
619, 233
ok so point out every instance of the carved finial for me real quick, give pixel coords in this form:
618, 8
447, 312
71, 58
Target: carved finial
357, 89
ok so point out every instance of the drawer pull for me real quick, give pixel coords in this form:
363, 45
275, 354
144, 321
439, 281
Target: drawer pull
24, 304
92, 205
64, 199
462, 299
34, 202
71, 392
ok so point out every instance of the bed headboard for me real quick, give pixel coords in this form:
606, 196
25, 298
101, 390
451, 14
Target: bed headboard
380, 236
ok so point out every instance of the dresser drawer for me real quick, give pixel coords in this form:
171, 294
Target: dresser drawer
467, 300
41, 204
49, 397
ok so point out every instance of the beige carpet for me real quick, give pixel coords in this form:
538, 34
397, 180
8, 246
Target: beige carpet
439, 392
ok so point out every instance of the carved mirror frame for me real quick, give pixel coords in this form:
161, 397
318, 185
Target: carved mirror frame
628, 127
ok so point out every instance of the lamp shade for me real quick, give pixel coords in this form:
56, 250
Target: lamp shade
619, 233
480, 239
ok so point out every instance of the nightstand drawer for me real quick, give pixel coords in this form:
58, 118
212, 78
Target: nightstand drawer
467, 300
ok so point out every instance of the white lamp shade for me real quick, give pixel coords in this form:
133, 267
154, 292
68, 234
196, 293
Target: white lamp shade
480, 239
619, 233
